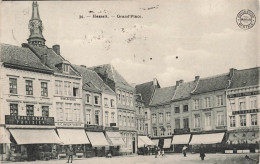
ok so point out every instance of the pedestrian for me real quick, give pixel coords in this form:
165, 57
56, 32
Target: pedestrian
70, 153
184, 149
159, 152
155, 152
148, 150
202, 152
162, 152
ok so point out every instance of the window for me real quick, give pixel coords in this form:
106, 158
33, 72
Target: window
112, 117
2, 149
242, 104
253, 119
162, 129
232, 121
232, 104
197, 121
76, 113
177, 124
186, 123
88, 116
177, 109
29, 87
154, 131
44, 89
29, 110
67, 88
185, 108
76, 89
168, 116
119, 96
68, 112
59, 108
65, 68
169, 130
145, 115
253, 103
112, 103
128, 121
207, 102
123, 97
106, 102
146, 129
242, 120
160, 117
208, 120
58, 87
196, 104
126, 98
96, 100
131, 99
45, 111
124, 120
97, 117
13, 85
120, 120
153, 118
88, 98
220, 100
14, 109
106, 118
220, 119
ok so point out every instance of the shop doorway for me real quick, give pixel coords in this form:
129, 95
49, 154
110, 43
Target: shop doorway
32, 152
133, 144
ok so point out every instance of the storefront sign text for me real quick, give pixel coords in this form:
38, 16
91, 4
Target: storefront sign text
28, 120
245, 111
243, 94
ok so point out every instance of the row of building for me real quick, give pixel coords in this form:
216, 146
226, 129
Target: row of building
48, 103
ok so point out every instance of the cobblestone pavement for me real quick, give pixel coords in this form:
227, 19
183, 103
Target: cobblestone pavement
167, 159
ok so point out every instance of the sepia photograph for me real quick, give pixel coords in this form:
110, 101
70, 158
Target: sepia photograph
129, 82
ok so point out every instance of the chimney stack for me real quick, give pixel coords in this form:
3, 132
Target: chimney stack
44, 58
197, 78
177, 83
83, 66
231, 72
181, 81
155, 82
56, 49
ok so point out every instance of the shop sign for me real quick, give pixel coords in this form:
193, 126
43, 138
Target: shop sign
245, 111
97, 128
69, 124
182, 131
243, 94
68, 98
28, 120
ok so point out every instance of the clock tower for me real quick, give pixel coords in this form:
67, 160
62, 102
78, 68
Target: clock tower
35, 26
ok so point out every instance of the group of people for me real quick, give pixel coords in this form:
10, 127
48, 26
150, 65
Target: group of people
158, 152
201, 151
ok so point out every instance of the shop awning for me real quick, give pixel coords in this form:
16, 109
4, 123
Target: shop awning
144, 141
35, 136
156, 141
167, 143
181, 139
115, 138
206, 138
3, 136
97, 139
73, 136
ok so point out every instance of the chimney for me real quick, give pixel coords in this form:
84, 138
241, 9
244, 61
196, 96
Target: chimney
133, 85
44, 58
197, 78
231, 72
155, 82
83, 66
177, 83
56, 49
181, 81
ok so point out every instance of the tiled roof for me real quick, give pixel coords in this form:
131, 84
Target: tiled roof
91, 81
21, 56
246, 77
184, 90
213, 83
112, 75
146, 90
52, 58
163, 95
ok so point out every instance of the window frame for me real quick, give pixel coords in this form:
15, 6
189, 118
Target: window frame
13, 85
44, 89
29, 87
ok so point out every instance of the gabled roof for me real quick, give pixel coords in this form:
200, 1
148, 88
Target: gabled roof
163, 95
213, 83
146, 90
113, 75
245, 77
53, 59
184, 90
91, 81
22, 57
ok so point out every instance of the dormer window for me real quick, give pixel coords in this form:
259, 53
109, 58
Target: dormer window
66, 68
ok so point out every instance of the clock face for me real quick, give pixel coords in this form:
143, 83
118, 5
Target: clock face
34, 24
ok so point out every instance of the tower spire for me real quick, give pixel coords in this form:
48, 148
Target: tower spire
35, 26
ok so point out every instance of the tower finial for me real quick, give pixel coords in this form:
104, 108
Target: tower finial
35, 26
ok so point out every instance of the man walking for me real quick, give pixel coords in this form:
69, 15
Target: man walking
202, 152
184, 149
70, 154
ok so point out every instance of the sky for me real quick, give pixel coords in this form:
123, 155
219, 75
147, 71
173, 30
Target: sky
170, 40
